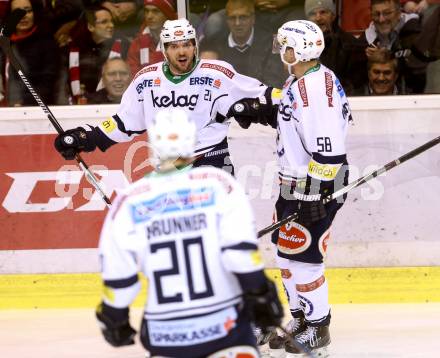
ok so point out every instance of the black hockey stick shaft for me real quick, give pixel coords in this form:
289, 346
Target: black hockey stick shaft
357, 182
5, 43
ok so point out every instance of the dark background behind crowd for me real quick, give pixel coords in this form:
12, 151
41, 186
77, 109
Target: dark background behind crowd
87, 51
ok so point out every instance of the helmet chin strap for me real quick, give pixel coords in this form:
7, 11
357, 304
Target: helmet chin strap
289, 65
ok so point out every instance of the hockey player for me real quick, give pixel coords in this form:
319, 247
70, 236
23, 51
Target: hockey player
191, 232
204, 89
311, 122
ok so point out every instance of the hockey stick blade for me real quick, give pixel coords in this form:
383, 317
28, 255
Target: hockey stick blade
387, 167
11, 23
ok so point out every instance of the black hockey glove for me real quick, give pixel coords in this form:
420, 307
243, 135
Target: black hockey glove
264, 307
74, 141
255, 110
116, 331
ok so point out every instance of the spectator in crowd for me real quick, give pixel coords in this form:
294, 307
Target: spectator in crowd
383, 72
126, 16
62, 16
2, 90
397, 32
207, 52
245, 46
427, 45
86, 54
4, 7
115, 78
37, 52
343, 52
213, 18
269, 16
144, 49
411, 7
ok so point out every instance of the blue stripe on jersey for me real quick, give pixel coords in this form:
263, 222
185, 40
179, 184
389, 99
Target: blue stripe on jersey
122, 283
339, 88
241, 246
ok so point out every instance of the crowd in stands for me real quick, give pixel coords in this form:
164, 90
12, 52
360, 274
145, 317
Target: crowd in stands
87, 51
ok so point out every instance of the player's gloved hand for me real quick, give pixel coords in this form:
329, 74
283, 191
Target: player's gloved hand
264, 307
254, 110
116, 332
244, 111
74, 141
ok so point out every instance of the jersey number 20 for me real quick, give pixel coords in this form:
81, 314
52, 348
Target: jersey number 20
175, 270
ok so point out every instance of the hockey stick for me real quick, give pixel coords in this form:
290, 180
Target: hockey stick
5, 43
358, 182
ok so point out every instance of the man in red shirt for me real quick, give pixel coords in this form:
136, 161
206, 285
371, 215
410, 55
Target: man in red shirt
144, 49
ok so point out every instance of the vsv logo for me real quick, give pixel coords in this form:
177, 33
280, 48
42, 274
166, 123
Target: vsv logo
286, 112
175, 101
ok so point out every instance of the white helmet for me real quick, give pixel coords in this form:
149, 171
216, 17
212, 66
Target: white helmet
305, 37
172, 135
177, 30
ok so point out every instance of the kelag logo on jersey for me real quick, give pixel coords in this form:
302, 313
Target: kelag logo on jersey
174, 201
179, 101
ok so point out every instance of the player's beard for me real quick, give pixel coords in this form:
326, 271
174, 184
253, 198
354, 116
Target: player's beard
182, 64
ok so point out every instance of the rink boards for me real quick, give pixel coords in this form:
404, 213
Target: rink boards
51, 217
346, 286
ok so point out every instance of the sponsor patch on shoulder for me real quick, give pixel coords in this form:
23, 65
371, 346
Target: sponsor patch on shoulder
329, 88
145, 70
219, 68
303, 92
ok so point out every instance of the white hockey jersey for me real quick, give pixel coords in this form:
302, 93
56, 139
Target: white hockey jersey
312, 118
188, 232
210, 89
